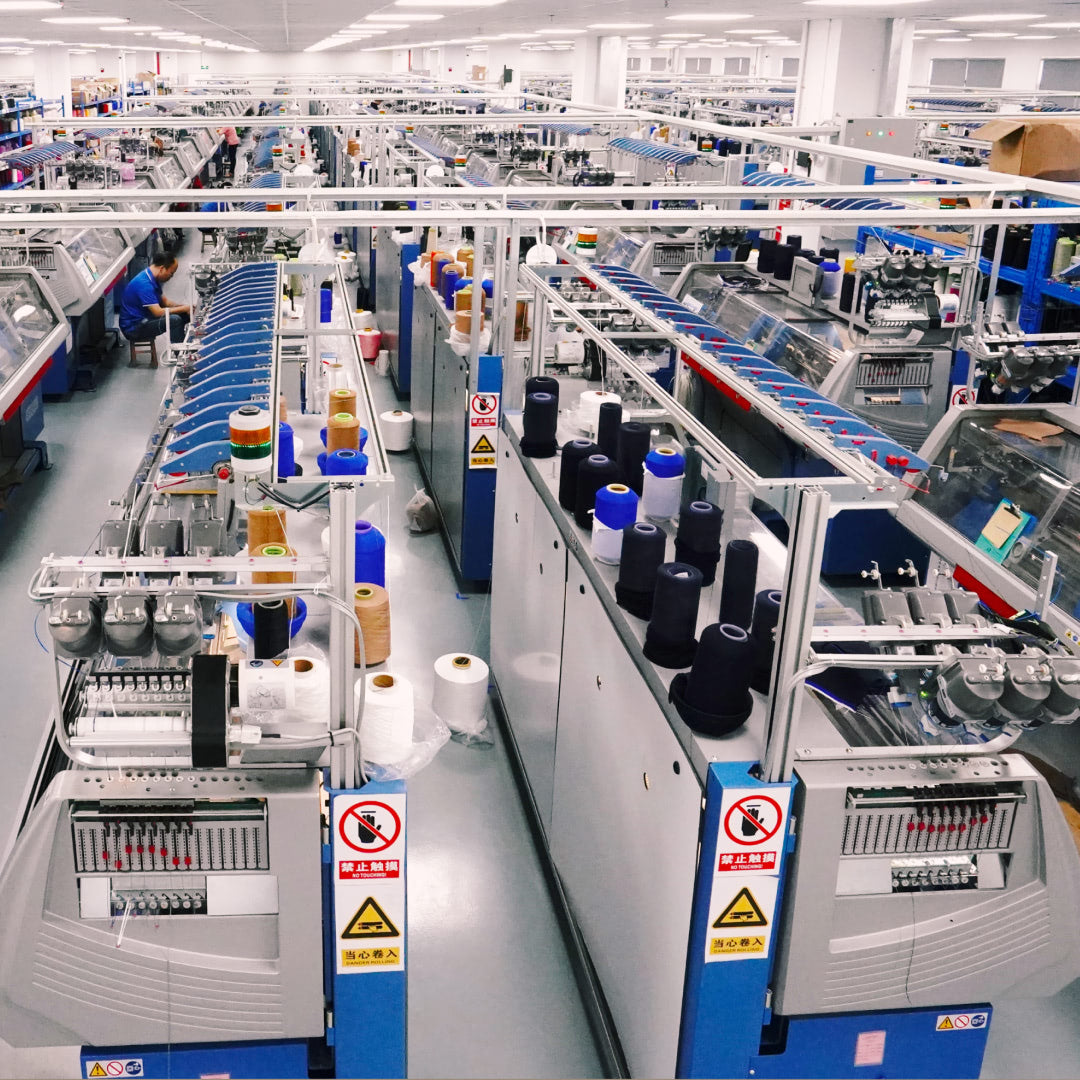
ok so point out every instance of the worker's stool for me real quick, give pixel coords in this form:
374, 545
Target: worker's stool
209, 239
145, 348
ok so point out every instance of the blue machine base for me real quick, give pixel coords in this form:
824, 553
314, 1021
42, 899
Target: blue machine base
907, 1043
245, 1061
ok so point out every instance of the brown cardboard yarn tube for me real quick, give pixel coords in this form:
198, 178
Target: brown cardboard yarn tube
283, 409
266, 525
274, 577
342, 433
343, 400
372, 606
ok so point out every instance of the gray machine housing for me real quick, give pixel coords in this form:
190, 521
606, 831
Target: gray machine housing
249, 966
880, 917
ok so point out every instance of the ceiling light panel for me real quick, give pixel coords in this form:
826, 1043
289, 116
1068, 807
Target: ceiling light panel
30, 5
85, 20
992, 17
707, 16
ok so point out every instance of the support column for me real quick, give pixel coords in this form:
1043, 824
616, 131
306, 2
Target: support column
853, 67
52, 75
599, 71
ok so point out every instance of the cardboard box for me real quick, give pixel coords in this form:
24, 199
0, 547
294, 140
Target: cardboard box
1044, 149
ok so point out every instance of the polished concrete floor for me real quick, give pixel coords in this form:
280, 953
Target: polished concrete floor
491, 991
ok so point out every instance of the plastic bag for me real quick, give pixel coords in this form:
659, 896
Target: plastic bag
420, 512
461, 343
430, 735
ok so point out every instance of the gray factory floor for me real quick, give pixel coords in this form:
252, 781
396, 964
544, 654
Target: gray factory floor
491, 991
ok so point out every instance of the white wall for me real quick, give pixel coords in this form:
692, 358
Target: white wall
762, 62
1022, 58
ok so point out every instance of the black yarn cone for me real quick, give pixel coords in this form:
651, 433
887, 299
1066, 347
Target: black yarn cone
539, 422
698, 540
634, 440
607, 429
714, 698
643, 549
766, 615
740, 581
669, 639
594, 473
574, 453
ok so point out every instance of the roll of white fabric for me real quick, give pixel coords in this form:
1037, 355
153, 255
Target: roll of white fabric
460, 696
386, 728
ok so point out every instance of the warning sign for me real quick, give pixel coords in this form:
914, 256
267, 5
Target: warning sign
484, 411
369, 827
481, 452
731, 946
742, 911
961, 1021
370, 921
114, 1067
741, 916
370, 957
959, 395
753, 820
369, 882
752, 830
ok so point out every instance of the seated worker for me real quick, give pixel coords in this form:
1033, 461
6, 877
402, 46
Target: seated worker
145, 311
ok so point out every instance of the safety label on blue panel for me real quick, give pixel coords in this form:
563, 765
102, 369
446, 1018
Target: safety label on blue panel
753, 826
369, 883
741, 916
961, 1021
114, 1067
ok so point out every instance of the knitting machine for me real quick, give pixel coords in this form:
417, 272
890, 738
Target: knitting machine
898, 384
849, 864
170, 845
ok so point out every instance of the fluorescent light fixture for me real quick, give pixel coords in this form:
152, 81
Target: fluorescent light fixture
130, 29
1035, 37
419, 16
992, 34
744, 30
861, 3
79, 52
447, 3
1058, 26
86, 20
391, 26
707, 16
29, 5
1003, 16
558, 30
619, 25
680, 34
13, 40
559, 41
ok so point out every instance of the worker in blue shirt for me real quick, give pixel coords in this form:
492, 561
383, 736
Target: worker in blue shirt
145, 311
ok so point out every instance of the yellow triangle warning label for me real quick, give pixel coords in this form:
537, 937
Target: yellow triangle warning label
483, 446
97, 1070
370, 921
945, 1025
744, 910
277, 663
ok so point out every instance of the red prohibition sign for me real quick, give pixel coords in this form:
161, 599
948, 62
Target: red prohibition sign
483, 403
961, 1021
114, 1068
384, 840
738, 814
